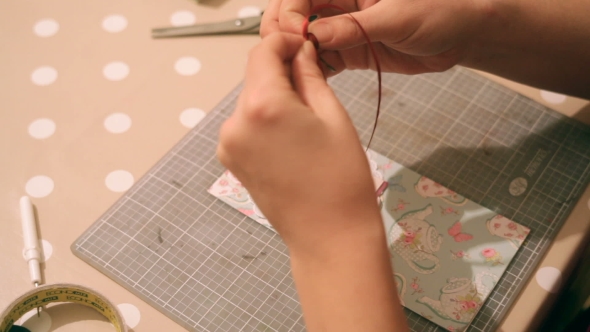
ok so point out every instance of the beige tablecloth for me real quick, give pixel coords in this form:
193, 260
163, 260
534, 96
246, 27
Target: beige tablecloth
89, 102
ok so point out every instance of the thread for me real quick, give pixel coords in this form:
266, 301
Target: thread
309, 36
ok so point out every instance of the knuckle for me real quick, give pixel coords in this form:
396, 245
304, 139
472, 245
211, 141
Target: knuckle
222, 155
261, 108
229, 138
268, 28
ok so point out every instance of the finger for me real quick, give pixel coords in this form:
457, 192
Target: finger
311, 85
292, 14
268, 77
379, 22
266, 62
270, 18
391, 60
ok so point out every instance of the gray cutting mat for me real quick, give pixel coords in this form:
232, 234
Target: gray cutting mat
210, 268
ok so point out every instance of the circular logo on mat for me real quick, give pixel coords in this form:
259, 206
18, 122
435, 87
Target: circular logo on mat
518, 186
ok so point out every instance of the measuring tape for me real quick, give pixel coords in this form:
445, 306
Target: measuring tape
46, 294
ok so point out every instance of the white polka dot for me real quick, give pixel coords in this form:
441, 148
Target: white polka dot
182, 17
115, 71
117, 123
130, 314
39, 186
34, 323
191, 116
114, 23
44, 75
46, 28
41, 128
187, 66
549, 278
249, 11
119, 180
552, 97
47, 250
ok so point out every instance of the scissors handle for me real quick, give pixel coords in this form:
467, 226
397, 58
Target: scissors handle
247, 25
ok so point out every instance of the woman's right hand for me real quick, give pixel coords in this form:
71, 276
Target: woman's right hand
410, 36
542, 45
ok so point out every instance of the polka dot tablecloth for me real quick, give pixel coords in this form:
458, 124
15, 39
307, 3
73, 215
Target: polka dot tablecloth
89, 102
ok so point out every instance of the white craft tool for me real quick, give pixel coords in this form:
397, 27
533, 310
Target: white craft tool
32, 252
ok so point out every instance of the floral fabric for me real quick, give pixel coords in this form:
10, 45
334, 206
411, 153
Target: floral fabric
447, 252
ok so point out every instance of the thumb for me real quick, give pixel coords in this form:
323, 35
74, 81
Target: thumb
346, 30
310, 84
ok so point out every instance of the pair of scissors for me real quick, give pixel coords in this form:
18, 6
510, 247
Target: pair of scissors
244, 26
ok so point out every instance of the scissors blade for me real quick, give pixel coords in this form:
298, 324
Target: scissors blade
247, 25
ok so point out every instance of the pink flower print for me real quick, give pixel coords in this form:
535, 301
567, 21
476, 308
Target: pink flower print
247, 212
425, 187
451, 328
223, 182
401, 205
387, 166
488, 253
459, 254
449, 210
512, 226
451, 193
438, 192
508, 234
497, 225
492, 256
409, 236
415, 286
438, 185
464, 306
520, 237
467, 305
235, 190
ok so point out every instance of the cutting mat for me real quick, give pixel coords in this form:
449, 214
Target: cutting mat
210, 268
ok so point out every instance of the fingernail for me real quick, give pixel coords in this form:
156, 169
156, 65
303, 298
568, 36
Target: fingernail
322, 31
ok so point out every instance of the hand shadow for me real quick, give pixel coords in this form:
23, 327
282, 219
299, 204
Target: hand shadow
487, 143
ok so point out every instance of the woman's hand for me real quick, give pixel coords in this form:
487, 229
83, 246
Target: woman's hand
544, 45
293, 146
410, 36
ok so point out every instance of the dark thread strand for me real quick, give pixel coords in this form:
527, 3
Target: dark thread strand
309, 36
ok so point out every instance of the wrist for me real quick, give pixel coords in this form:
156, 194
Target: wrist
335, 236
347, 283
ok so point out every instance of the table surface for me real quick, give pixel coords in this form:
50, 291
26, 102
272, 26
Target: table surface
89, 102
